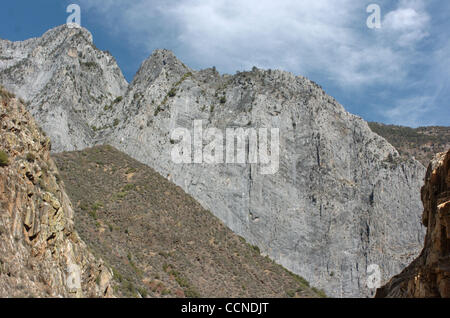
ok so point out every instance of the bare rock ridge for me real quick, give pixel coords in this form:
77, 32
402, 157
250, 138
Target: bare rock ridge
40, 253
429, 274
341, 199
67, 82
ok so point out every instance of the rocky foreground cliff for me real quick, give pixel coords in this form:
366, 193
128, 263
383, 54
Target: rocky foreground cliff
429, 274
340, 198
41, 255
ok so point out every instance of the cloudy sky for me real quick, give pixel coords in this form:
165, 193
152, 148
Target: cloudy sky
398, 73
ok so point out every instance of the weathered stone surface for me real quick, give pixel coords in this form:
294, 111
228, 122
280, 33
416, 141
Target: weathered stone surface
341, 200
429, 274
68, 83
39, 250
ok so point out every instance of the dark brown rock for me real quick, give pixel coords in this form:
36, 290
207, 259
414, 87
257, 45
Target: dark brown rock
429, 274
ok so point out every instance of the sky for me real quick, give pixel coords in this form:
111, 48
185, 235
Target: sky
395, 74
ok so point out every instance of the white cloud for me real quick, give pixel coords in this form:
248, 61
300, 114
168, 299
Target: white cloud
324, 39
408, 24
410, 111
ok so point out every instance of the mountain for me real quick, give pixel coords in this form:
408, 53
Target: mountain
429, 274
321, 194
159, 241
66, 81
41, 255
341, 200
422, 143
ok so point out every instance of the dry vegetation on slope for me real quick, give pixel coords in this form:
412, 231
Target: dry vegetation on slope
159, 241
422, 143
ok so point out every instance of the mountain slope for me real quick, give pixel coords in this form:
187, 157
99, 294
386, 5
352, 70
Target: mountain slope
160, 242
41, 255
422, 143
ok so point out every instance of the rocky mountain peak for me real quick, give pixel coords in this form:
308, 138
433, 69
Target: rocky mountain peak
69, 84
65, 33
337, 182
161, 62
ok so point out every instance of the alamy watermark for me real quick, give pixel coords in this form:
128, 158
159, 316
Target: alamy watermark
73, 281
374, 19
74, 19
374, 278
242, 146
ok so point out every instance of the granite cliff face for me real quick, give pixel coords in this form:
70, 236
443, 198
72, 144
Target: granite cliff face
340, 199
66, 81
429, 274
40, 253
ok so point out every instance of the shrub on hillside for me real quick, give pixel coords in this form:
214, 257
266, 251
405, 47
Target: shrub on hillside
4, 159
172, 93
118, 100
31, 157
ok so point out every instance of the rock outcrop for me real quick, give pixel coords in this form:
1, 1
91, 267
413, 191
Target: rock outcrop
339, 199
429, 274
40, 253
68, 83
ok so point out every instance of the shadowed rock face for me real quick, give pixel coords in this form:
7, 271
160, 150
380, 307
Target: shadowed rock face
40, 253
341, 199
429, 274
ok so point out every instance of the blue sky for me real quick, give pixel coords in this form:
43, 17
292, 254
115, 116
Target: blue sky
397, 74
